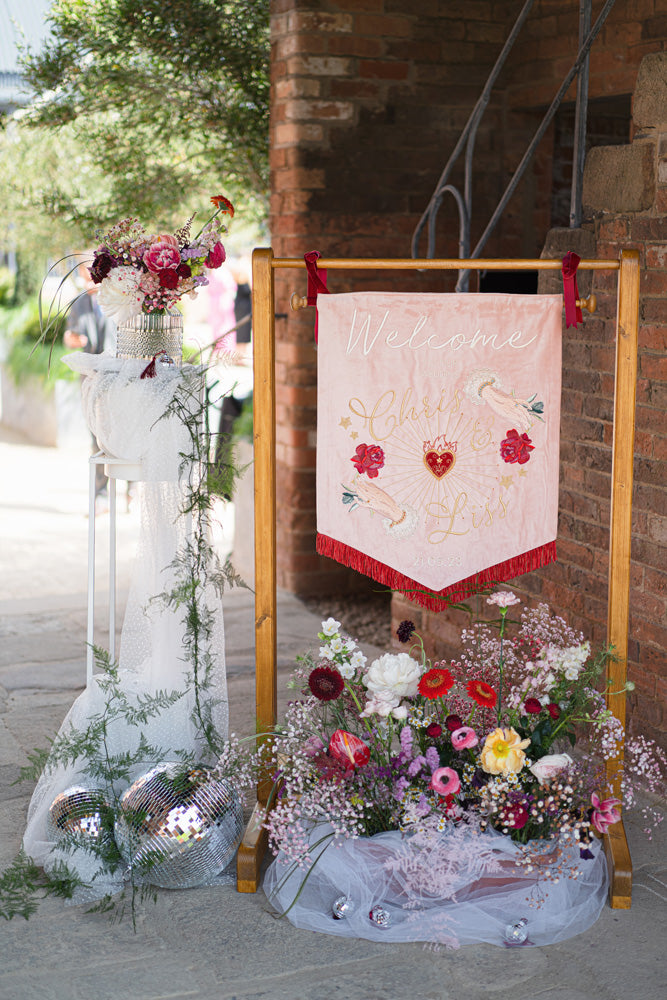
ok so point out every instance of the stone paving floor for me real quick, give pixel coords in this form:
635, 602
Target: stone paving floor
214, 944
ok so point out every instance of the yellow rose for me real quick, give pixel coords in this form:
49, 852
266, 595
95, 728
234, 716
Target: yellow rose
503, 752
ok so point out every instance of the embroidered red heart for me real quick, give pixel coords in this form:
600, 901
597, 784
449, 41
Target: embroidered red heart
439, 462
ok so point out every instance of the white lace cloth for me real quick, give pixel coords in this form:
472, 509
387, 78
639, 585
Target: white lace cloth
462, 888
124, 412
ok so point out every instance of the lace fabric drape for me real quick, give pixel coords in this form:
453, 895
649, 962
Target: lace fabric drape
126, 414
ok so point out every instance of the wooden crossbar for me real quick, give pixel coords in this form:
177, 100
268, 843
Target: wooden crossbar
264, 266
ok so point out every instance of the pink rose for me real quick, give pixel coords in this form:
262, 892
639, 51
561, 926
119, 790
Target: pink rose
516, 448
217, 256
161, 255
368, 458
166, 238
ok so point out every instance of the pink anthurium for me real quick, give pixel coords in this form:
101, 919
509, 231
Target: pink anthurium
348, 749
445, 781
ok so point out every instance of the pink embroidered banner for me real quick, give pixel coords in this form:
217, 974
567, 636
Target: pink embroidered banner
438, 437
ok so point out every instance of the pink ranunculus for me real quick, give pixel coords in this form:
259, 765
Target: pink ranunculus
161, 255
604, 813
216, 256
463, 738
450, 786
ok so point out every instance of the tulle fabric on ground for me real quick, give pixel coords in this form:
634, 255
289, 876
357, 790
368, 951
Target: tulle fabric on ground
464, 887
124, 414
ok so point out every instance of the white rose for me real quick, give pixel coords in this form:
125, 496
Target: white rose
400, 713
549, 766
380, 704
395, 675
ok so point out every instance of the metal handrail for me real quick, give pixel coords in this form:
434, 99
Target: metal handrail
587, 36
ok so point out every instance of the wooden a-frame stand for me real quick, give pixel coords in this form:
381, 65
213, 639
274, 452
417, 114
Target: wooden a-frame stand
265, 265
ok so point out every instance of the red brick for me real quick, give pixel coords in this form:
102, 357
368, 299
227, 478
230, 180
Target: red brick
381, 26
382, 70
355, 45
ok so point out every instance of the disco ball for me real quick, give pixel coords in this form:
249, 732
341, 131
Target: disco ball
77, 813
176, 828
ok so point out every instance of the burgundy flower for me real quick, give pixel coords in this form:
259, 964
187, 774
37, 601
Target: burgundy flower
217, 256
516, 448
434, 730
168, 277
102, 264
184, 270
514, 816
532, 706
326, 683
405, 629
453, 722
368, 458
553, 710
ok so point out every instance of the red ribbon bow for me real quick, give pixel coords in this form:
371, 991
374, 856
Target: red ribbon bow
570, 290
317, 280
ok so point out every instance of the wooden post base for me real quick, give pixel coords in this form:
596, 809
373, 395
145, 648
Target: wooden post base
620, 867
252, 850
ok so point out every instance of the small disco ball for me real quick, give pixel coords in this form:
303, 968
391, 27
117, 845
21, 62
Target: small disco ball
516, 933
77, 813
342, 907
176, 828
380, 916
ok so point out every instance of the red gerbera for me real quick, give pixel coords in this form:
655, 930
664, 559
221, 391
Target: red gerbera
482, 693
435, 683
326, 683
223, 203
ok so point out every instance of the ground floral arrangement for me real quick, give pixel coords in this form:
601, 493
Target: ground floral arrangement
506, 746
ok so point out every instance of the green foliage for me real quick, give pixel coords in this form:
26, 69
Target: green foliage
24, 883
7, 285
198, 575
170, 95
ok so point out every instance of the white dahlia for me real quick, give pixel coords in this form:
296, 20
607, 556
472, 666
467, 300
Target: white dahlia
119, 294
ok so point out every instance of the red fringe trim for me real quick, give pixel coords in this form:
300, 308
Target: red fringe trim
436, 600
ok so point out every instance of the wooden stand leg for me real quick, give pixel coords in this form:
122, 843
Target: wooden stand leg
620, 867
252, 850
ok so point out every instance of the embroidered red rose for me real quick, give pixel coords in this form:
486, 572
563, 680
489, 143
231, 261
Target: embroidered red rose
368, 458
516, 447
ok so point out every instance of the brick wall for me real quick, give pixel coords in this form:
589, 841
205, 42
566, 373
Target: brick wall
576, 586
369, 98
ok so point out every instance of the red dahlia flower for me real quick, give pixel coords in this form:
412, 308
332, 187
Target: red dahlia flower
435, 683
326, 683
482, 693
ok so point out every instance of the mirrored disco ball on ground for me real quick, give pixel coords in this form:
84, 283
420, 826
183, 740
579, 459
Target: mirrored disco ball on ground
178, 828
77, 814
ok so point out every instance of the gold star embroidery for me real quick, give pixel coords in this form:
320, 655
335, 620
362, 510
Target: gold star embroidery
506, 481
345, 422
354, 435
522, 472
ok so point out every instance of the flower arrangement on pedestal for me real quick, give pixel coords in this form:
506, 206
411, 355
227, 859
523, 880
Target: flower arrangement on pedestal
138, 272
442, 756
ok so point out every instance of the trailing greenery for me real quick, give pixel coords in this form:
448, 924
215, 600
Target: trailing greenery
199, 579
